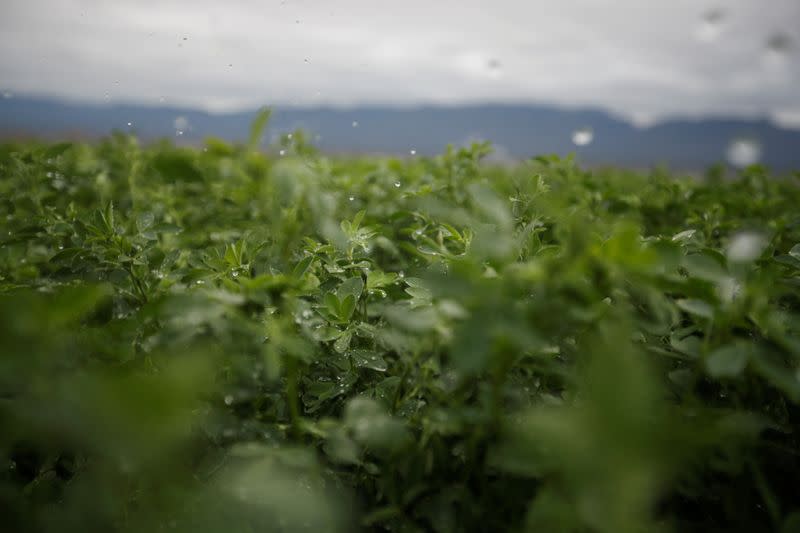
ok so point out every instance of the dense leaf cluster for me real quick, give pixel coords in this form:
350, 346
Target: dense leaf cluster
217, 339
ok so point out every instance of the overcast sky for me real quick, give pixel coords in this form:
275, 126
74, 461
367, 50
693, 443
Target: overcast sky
643, 59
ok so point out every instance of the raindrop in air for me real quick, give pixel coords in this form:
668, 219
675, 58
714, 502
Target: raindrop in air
397, 184
778, 48
228, 400
282, 153
235, 273
583, 136
181, 123
355, 124
413, 152
352, 198
711, 25
743, 152
745, 247
130, 124
7, 95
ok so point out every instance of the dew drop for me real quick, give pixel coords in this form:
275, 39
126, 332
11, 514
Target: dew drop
200, 282
352, 198
743, 152
397, 184
228, 399
235, 274
583, 136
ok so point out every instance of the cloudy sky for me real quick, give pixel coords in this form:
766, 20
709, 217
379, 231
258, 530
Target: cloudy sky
643, 59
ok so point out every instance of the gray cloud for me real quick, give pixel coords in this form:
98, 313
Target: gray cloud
641, 59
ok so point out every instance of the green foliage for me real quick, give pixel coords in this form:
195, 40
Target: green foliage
223, 340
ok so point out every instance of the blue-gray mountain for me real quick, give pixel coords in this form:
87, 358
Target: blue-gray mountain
518, 131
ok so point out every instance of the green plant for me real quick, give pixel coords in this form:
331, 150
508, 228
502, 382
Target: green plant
227, 340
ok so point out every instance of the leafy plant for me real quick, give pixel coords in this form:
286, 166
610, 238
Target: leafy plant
224, 339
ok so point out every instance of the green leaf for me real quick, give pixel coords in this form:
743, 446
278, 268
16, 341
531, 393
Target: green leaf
144, 221
795, 251
350, 287
302, 266
705, 266
728, 361
332, 303
257, 128
696, 307
369, 359
342, 344
346, 307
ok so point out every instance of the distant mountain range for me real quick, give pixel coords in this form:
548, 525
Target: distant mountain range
517, 131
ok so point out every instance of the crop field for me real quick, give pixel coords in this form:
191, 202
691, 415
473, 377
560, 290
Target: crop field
229, 339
